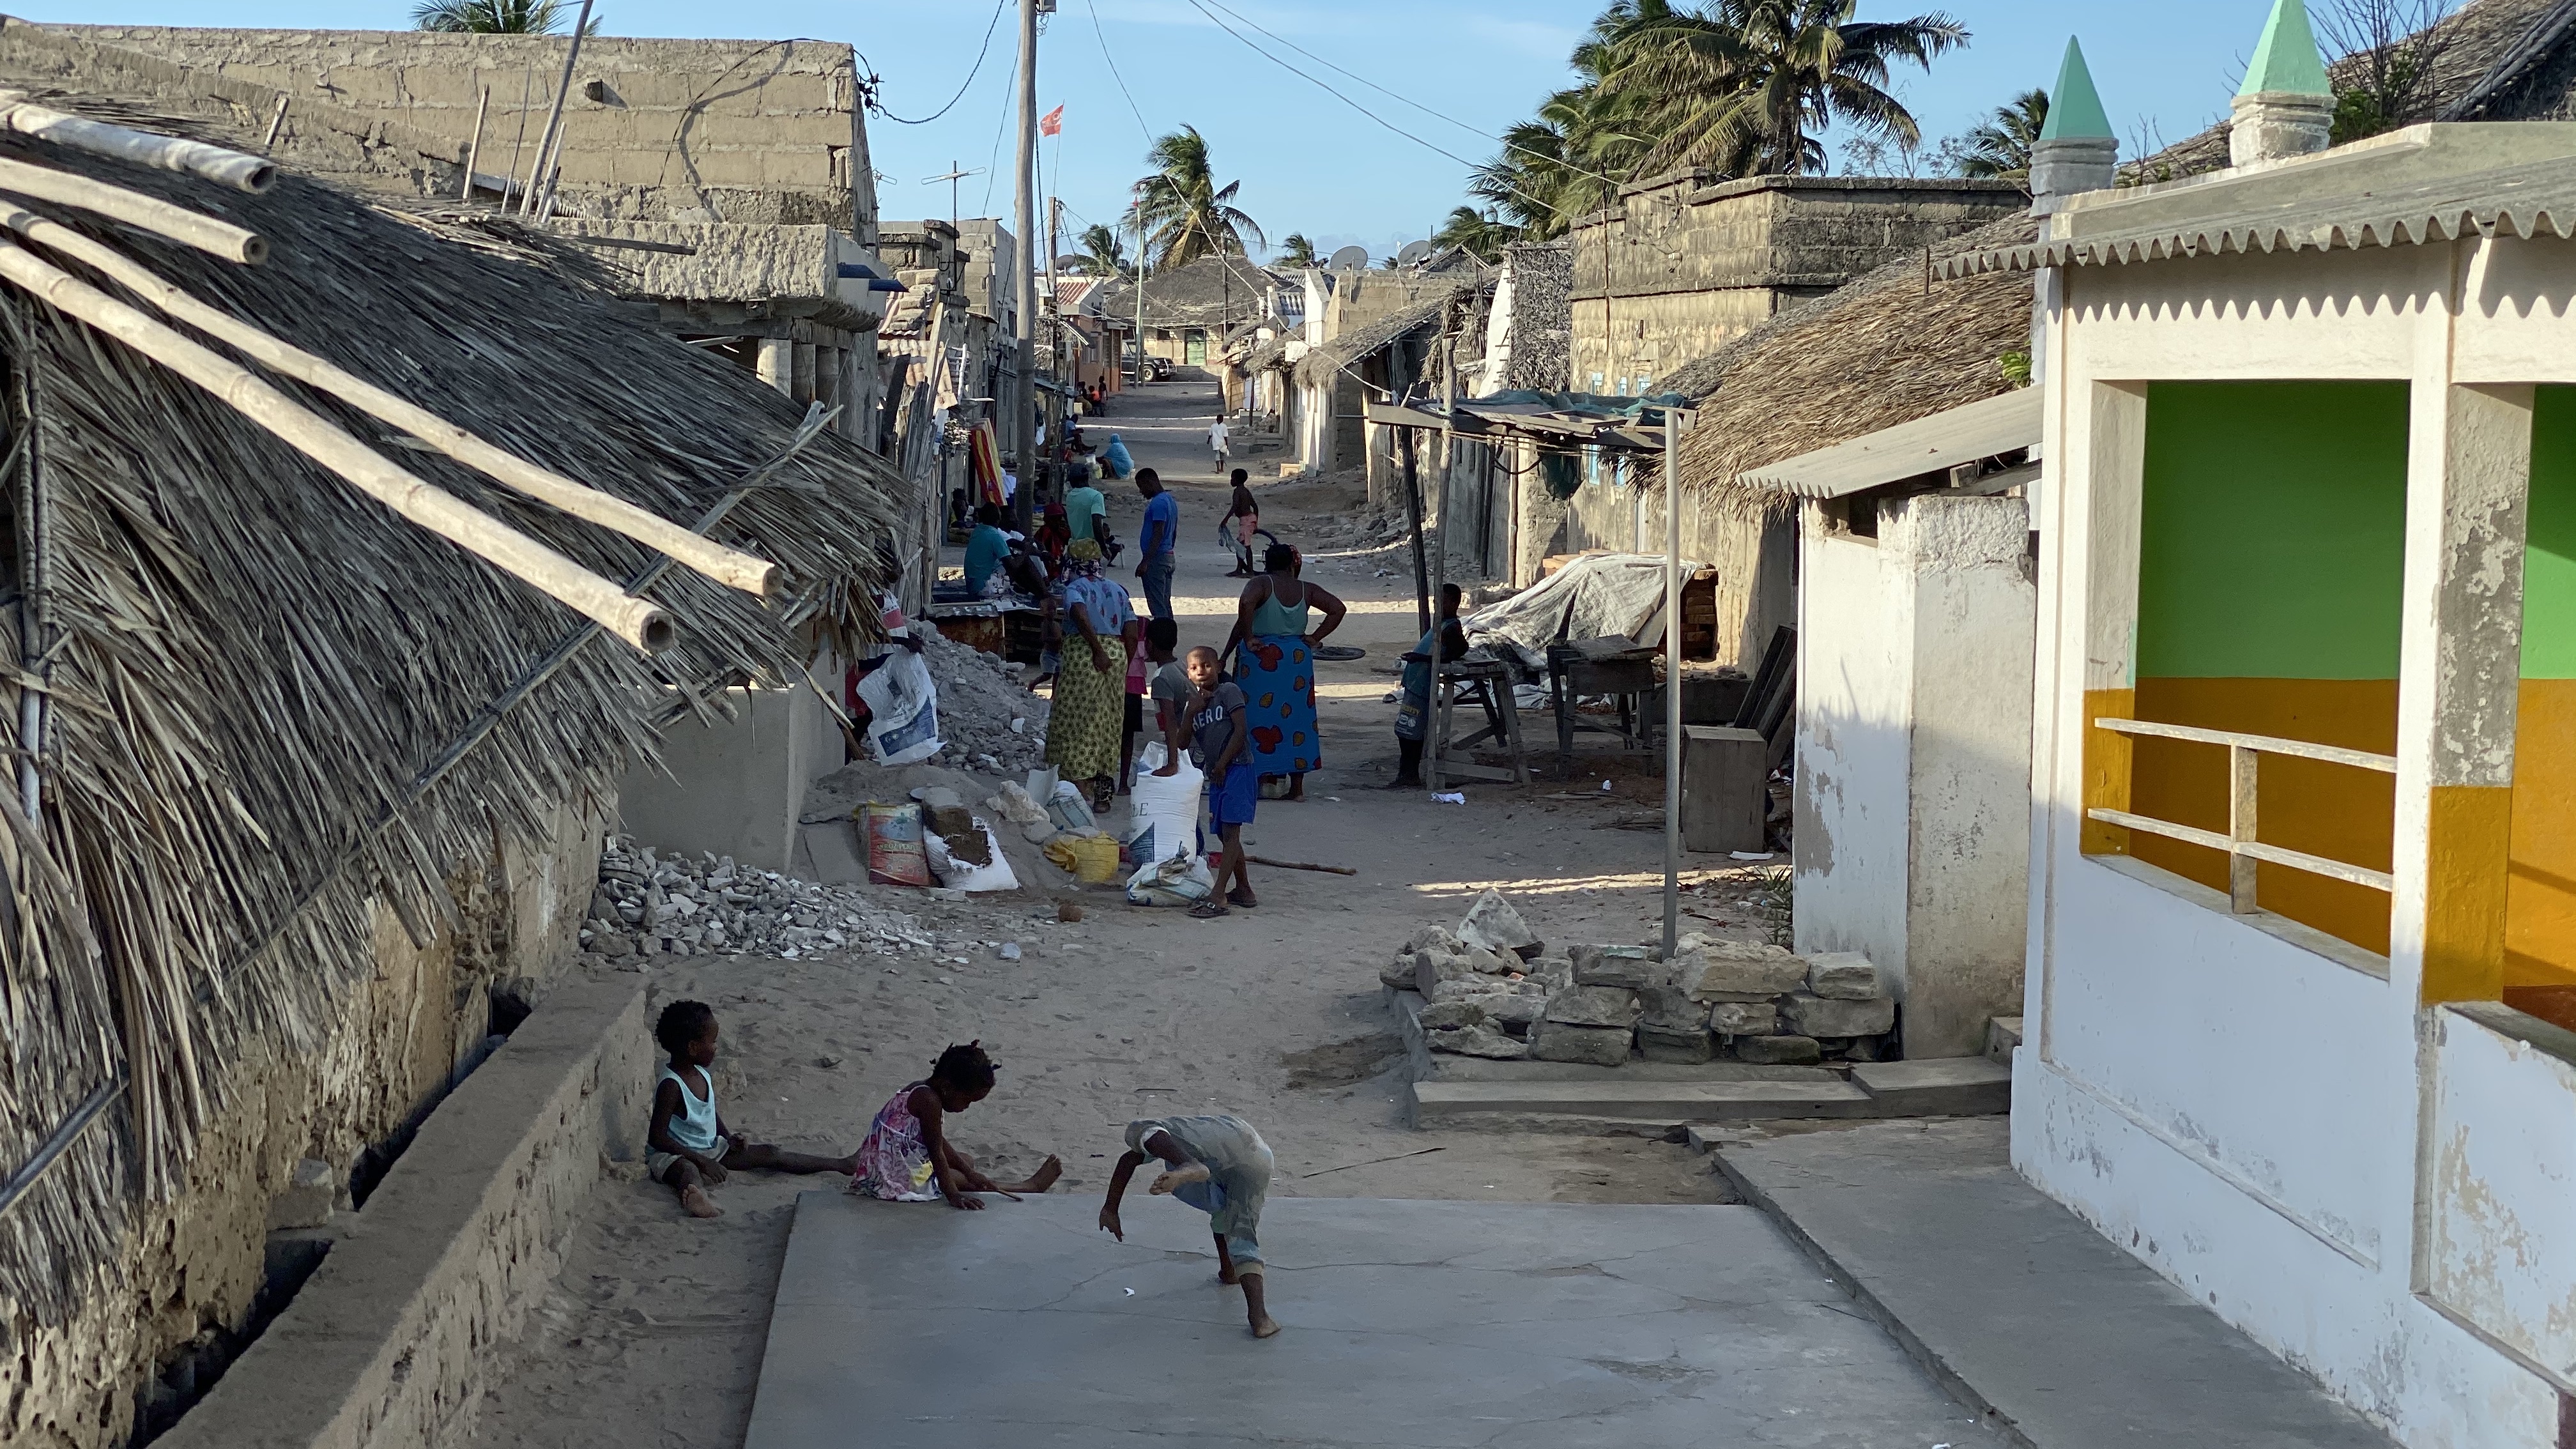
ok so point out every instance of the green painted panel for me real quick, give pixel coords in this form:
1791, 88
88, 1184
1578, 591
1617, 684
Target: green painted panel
2272, 537
2549, 559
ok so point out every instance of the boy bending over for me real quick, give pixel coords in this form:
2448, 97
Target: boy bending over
1220, 1166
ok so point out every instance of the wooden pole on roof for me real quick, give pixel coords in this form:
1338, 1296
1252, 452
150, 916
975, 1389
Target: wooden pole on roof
550, 142
727, 566
639, 622
474, 149
145, 213
218, 164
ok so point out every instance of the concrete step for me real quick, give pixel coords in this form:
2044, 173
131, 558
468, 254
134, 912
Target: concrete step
2003, 1033
1941, 1087
1475, 1104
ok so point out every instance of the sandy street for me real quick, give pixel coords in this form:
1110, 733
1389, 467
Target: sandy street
655, 1331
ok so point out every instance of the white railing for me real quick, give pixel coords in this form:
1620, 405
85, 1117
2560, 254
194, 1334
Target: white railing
2237, 842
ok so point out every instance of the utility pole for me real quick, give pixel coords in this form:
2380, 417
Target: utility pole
1023, 399
1055, 323
1140, 290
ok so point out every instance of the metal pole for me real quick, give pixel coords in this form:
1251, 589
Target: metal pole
1023, 400
1140, 290
1672, 680
549, 141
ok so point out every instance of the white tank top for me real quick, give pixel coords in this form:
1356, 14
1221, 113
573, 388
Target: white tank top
695, 1127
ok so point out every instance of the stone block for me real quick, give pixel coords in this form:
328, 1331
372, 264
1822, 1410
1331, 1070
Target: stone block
1430, 968
1480, 1040
1450, 1015
1660, 1044
1631, 967
1516, 1012
1815, 1016
1429, 938
1554, 973
311, 1192
1744, 1018
1552, 1041
1738, 971
1605, 1006
1779, 1051
1842, 976
1492, 963
1948, 1087
1670, 1008
1466, 988
1398, 972
1492, 922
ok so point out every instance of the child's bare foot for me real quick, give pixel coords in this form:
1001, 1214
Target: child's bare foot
700, 1205
1044, 1178
1264, 1326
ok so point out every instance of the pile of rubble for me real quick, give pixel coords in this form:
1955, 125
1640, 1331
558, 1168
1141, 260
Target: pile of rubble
1491, 989
987, 719
647, 904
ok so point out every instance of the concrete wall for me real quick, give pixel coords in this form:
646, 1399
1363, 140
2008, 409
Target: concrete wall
677, 130
1850, 813
1682, 266
988, 246
193, 1265
736, 787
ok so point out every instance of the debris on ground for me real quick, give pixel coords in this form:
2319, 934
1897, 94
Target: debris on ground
648, 903
980, 698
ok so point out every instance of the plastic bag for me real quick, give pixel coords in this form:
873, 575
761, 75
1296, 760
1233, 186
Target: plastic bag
1093, 858
895, 853
1162, 809
1183, 880
959, 875
903, 709
1068, 809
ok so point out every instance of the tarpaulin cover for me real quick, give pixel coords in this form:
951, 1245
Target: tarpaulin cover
1593, 596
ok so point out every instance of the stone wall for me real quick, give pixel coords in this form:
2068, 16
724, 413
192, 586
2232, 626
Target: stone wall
1685, 265
655, 130
193, 1265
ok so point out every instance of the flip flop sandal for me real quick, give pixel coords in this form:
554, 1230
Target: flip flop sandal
1207, 910
1241, 898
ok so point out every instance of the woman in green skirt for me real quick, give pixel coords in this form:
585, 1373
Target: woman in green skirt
1088, 714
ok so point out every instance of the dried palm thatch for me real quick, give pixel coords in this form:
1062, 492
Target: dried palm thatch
267, 700
1893, 346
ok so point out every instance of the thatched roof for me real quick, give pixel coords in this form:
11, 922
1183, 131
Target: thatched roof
271, 699
1210, 292
2500, 60
1885, 349
1348, 349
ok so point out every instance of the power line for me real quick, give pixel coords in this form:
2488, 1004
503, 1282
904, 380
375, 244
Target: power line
986, 49
1476, 131
1103, 37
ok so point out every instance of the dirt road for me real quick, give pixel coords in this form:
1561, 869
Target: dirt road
654, 1333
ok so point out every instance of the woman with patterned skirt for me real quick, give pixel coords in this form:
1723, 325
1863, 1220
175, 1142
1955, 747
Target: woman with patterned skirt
1273, 655
1087, 717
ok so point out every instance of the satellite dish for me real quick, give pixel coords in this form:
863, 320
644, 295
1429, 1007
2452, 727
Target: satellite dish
1350, 259
1413, 252
1073, 262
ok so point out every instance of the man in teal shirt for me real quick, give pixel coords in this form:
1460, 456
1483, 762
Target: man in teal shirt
986, 547
1082, 505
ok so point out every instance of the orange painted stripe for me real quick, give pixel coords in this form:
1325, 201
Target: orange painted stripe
2540, 899
2469, 839
2106, 769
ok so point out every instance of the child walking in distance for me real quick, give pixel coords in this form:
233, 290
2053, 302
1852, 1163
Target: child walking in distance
1220, 727
1220, 1166
690, 1147
907, 1157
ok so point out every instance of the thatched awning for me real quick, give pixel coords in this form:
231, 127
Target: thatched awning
268, 699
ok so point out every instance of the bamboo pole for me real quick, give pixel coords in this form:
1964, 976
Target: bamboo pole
218, 238
474, 148
638, 621
217, 164
730, 567
550, 144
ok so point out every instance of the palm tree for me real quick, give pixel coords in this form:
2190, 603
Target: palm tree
2001, 147
1187, 215
1297, 251
493, 17
1744, 86
1102, 255
1477, 233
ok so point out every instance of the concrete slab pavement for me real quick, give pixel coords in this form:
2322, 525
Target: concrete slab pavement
1406, 1323
2017, 1306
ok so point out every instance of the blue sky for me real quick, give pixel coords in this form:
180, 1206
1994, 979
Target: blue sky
1309, 162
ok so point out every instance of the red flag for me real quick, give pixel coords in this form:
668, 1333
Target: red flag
1052, 123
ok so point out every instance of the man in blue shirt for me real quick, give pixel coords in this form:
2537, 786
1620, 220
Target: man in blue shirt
985, 549
1160, 534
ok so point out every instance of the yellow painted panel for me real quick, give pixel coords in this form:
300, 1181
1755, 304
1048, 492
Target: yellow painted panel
2540, 903
2106, 769
2335, 811
2468, 830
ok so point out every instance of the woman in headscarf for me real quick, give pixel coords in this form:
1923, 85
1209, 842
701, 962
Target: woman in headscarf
1276, 665
1088, 714
1114, 458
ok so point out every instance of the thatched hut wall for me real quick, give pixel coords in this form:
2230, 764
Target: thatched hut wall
251, 890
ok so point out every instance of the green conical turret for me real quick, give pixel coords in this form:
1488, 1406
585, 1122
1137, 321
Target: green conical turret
2074, 107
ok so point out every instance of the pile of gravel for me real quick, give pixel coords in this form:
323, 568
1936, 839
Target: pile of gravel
647, 904
979, 698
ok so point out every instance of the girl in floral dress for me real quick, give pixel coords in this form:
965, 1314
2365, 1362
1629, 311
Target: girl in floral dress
906, 1157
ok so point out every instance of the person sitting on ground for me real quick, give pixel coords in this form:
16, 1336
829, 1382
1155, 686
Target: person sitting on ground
1054, 533
985, 549
1220, 1166
1245, 519
1220, 745
688, 1147
1413, 716
906, 1157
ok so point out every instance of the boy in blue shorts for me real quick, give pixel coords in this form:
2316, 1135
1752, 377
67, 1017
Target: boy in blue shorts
1220, 729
